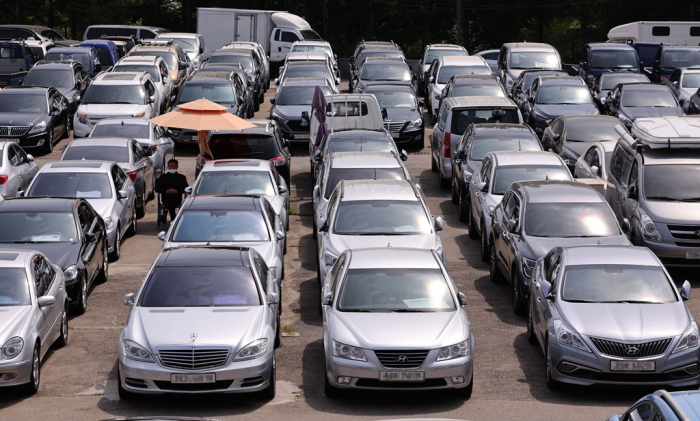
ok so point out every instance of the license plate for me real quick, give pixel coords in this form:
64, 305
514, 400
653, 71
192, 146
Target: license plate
9, 140
692, 254
395, 135
192, 378
632, 365
195, 138
401, 376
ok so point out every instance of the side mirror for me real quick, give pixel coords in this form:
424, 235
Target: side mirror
272, 101
385, 114
279, 235
328, 300
152, 99
322, 224
462, 299
461, 154
613, 101
257, 72
546, 289
49, 300
656, 63
317, 155
584, 66
675, 84
511, 225
556, 137
404, 155
161, 236
282, 189
129, 299
482, 187
90, 237
181, 65
595, 170
317, 193
633, 193
421, 104
431, 80
439, 224
273, 298
121, 195
276, 81
188, 190
30, 158
337, 81
685, 291
625, 225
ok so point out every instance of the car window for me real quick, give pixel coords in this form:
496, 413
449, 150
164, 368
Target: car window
116, 176
634, 174
620, 158
84, 218
590, 154
337, 270
643, 412
513, 208
271, 215
12, 156
40, 276
288, 36
261, 268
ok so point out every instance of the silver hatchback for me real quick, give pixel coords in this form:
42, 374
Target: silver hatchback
17, 169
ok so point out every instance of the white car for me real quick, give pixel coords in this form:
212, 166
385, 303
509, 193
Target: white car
116, 95
192, 44
447, 66
156, 67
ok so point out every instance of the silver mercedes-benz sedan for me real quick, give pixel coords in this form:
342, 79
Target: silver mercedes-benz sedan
17, 168
394, 320
33, 315
205, 320
611, 315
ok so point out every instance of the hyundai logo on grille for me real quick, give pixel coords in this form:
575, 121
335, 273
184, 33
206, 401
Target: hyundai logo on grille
631, 350
401, 359
304, 123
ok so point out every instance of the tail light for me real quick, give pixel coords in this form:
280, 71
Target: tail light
3, 179
132, 175
279, 161
446, 150
201, 160
153, 147
664, 78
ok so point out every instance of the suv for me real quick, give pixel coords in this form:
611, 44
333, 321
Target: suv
87, 56
382, 70
140, 32
431, 52
15, 61
444, 68
458, 113
670, 57
69, 78
250, 62
192, 44
258, 51
605, 57
519, 56
472, 85
173, 55
654, 187
156, 67
39, 33
292, 99
107, 51
116, 95
223, 88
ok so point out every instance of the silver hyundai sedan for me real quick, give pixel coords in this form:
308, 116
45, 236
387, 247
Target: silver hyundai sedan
611, 315
205, 320
394, 320
33, 315
17, 168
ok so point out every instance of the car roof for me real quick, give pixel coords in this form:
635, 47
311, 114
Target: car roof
231, 52
364, 160
445, 47
305, 63
139, 59
477, 101
11, 258
384, 59
76, 166
304, 81
512, 158
393, 257
311, 55
609, 255
177, 35
37, 204
561, 80
76, 49
120, 78
529, 46
590, 118
610, 46
131, 121
21, 89
100, 141
670, 156
557, 191
358, 134
203, 256
222, 202
49, 65
352, 190
641, 86
689, 69
473, 79
237, 165
490, 129
262, 127
311, 42
457, 60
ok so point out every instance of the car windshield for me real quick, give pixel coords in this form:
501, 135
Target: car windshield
529, 77
21, 103
385, 290
82, 184
591, 130
446, 72
369, 53
672, 182
96, 153
221, 94
132, 131
56, 78
461, 119
37, 51
201, 286
617, 284
14, 288
691, 80
565, 95
228, 146
381, 217
114, 94
187, 44
52, 35
169, 58
490, 89
570, 220
151, 70
505, 176
84, 58
38, 227
245, 59
361, 145
681, 58
310, 35
533, 60
483, 145
614, 59
391, 72
236, 182
299, 95
337, 174
320, 72
611, 81
435, 53
394, 99
661, 98
220, 225
311, 49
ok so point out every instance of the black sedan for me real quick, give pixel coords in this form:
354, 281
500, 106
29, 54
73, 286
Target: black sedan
605, 82
404, 113
69, 77
33, 116
68, 231
631, 101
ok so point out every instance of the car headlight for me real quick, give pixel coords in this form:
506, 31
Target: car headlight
38, 128
134, 351
329, 258
139, 115
649, 230
278, 117
454, 351
109, 223
12, 348
349, 352
415, 124
567, 337
82, 118
528, 266
255, 349
689, 339
70, 273
624, 119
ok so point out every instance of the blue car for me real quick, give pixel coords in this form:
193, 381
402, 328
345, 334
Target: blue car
107, 51
85, 55
662, 405
604, 57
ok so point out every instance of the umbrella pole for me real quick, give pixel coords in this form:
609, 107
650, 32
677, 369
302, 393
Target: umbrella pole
202, 136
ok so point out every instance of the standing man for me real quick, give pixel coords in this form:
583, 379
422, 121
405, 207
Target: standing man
171, 186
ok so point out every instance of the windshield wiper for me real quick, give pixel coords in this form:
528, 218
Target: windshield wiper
583, 301
633, 302
690, 199
669, 199
356, 310
410, 310
29, 242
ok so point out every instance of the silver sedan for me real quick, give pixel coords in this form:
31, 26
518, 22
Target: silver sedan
611, 315
395, 320
33, 315
17, 169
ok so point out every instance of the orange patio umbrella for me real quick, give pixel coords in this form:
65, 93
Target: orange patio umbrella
202, 115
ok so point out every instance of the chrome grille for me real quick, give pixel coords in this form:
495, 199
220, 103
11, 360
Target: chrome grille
394, 127
631, 350
401, 358
14, 130
193, 358
685, 232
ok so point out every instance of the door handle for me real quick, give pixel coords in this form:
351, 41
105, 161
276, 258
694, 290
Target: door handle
538, 300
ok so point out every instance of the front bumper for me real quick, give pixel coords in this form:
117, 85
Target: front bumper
15, 373
234, 377
34, 140
80, 129
410, 137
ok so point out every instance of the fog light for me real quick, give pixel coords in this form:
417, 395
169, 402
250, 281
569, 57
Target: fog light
39, 143
692, 369
567, 368
458, 380
10, 376
82, 121
344, 380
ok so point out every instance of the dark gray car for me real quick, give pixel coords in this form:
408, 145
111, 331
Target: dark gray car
631, 101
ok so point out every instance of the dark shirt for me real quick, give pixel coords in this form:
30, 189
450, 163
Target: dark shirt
169, 181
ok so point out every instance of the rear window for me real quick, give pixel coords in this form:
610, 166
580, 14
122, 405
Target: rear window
483, 145
461, 119
337, 174
97, 153
681, 58
236, 182
95, 33
84, 58
104, 56
227, 146
446, 72
491, 89
132, 131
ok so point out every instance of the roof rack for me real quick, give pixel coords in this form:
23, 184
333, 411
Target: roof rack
669, 132
157, 42
672, 403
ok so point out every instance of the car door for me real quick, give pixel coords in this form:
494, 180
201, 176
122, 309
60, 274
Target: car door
123, 207
91, 252
620, 166
510, 239
629, 202
483, 177
268, 286
439, 134
542, 314
145, 167
499, 224
643, 411
20, 165
46, 284
583, 165
332, 278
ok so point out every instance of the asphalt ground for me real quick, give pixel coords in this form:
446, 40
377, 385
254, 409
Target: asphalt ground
79, 381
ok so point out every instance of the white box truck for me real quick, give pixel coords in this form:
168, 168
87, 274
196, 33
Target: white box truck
275, 31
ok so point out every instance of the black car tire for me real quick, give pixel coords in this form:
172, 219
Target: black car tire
81, 305
518, 301
256, 104
444, 182
141, 210
494, 272
35, 379
549, 381
48, 146
63, 337
433, 164
69, 125
455, 192
270, 391
530, 327
124, 394
114, 256
485, 255
278, 334
465, 215
465, 393
104, 272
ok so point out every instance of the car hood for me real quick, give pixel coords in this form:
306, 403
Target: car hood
12, 318
102, 206
21, 119
673, 212
627, 322
557, 110
111, 109
233, 326
292, 112
345, 242
400, 330
60, 254
537, 247
67, 92
401, 114
640, 112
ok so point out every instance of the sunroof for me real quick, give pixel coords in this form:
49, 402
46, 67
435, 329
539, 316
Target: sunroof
119, 76
8, 257
76, 164
237, 164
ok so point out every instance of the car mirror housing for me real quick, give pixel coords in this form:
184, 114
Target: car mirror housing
273, 298
279, 235
685, 291
129, 299
404, 155
322, 224
633, 193
462, 299
181, 65
511, 225
482, 187
595, 170
90, 237
272, 101
546, 289
625, 225
439, 224
30, 157
188, 190
46, 300
282, 189
122, 195
328, 300
161, 236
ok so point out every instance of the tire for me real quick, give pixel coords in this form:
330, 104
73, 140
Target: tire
81, 306
455, 193
465, 215
494, 272
48, 146
152, 194
114, 256
141, 210
518, 301
444, 182
134, 225
124, 394
104, 273
328, 389
549, 381
270, 391
433, 164
466, 392
278, 334
485, 252
530, 328
69, 125
256, 104
35, 379
63, 338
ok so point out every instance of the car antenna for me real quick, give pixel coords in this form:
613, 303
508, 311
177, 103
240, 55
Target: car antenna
546, 178
389, 245
122, 122
519, 147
